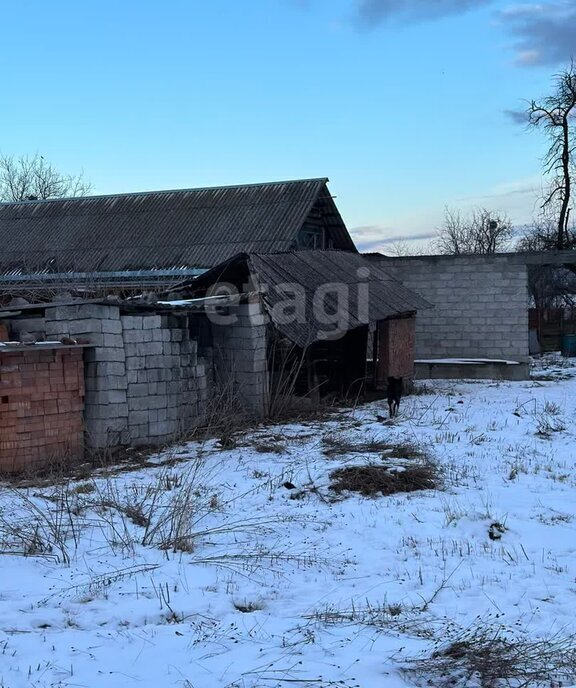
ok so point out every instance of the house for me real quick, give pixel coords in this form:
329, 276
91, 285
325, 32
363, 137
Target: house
260, 299
150, 239
131, 371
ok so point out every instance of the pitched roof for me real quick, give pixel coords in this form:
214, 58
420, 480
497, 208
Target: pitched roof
368, 293
188, 228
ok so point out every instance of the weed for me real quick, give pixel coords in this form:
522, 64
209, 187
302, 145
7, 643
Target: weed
83, 488
339, 445
270, 448
548, 419
490, 656
371, 480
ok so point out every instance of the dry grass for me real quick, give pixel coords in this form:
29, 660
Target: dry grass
490, 656
372, 480
340, 445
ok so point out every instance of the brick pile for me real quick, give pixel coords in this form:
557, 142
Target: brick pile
41, 406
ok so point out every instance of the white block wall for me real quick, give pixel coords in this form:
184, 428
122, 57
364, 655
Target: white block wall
480, 304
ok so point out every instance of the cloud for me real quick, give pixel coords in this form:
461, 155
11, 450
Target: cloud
517, 116
378, 11
374, 237
545, 32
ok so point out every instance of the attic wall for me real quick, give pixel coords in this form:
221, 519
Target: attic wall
480, 304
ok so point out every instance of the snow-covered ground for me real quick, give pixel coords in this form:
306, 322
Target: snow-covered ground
240, 568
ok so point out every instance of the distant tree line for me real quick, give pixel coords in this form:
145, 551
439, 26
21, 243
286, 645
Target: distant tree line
28, 178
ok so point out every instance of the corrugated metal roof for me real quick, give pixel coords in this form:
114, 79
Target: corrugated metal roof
380, 297
368, 293
189, 228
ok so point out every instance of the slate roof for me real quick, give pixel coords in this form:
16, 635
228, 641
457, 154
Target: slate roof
370, 294
189, 228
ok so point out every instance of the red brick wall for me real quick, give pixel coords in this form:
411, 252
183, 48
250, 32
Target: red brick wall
41, 407
395, 349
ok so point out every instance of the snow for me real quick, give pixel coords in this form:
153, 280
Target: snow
467, 361
30, 344
282, 587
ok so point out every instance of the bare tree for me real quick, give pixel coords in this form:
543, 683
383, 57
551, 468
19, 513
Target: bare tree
551, 286
32, 178
481, 231
554, 114
401, 249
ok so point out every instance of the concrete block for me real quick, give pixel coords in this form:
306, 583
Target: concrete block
157, 361
138, 404
95, 310
162, 428
133, 336
138, 417
151, 322
107, 396
136, 348
112, 428
189, 346
111, 369
85, 326
105, 411
138, 390
131, 322
138, 431
154, 348
111, 327
135, 362
113, 340
104, 355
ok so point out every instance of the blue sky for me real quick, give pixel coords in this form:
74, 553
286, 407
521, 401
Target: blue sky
401, 103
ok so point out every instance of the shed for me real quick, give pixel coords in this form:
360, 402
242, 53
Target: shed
328, 305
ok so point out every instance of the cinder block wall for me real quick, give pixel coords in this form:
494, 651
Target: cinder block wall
166, 383
144, 382
41, 407
481, 304
106, 408
240, 357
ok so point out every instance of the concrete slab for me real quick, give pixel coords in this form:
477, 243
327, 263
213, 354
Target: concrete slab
471, 369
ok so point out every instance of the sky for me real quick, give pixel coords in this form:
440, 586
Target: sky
407, 106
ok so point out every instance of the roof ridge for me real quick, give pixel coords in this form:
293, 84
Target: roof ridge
166, 191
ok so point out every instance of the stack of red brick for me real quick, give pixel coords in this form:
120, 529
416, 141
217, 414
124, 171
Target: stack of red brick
41, 406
